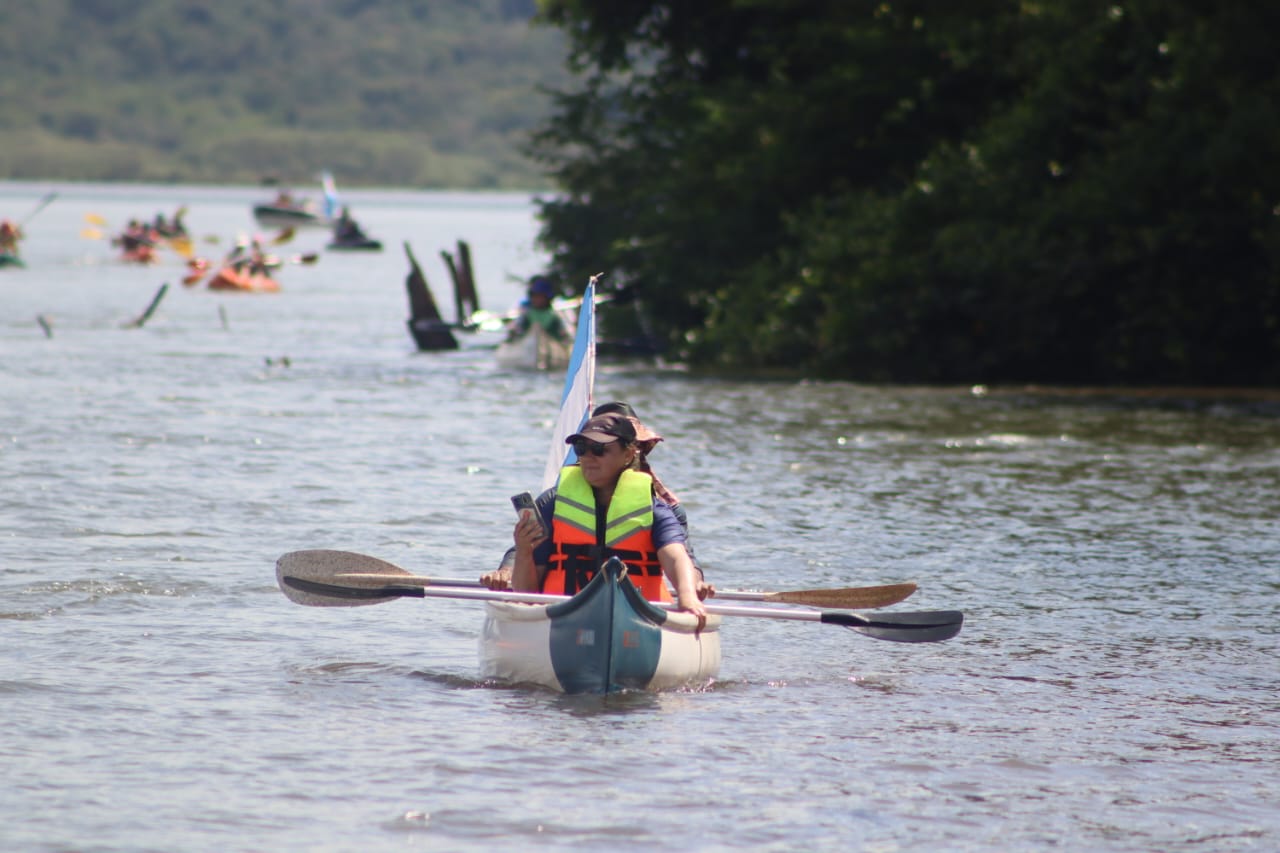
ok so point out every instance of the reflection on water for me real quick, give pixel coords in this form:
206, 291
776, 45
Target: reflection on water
1114, 686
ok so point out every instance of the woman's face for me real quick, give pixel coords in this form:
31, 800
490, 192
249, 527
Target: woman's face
602, 471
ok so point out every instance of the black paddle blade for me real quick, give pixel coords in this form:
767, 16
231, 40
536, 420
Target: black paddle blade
432, 335
929, 626
429, 331
316, 594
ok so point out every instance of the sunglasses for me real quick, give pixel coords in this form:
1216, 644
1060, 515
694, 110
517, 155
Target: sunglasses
583, 446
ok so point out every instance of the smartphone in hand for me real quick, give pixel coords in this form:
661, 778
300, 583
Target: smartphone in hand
524, 501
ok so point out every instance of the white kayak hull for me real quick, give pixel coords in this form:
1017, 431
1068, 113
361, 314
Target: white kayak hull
534, 350
605, 639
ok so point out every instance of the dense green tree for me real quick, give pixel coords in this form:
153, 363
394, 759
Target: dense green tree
930, 191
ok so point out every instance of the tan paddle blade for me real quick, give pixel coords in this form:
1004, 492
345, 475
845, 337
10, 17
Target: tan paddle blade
297, 570
855, 598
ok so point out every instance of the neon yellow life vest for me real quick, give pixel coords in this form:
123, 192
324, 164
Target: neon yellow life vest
577, 553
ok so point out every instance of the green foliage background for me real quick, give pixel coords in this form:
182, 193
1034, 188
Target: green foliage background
940, 190
419, 93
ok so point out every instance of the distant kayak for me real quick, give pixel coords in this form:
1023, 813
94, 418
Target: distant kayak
286, 211
229, 278
9, 259
277, 216
139, 254
534, 350
364, 244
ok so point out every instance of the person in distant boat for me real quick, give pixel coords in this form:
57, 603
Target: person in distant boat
10, 235
169, 228
646, 440
136, 235
247, 256
605, 507
537, 310
346, 229
259, 262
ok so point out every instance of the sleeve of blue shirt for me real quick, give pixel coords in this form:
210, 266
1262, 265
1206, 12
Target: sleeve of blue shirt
666, 527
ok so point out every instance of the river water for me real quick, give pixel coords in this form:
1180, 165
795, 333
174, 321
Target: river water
1116, 686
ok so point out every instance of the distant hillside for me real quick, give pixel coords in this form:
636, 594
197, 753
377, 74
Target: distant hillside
415, 93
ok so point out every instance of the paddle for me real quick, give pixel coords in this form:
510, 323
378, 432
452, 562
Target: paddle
298, 574
146, 315
351, 569
429, 331
182, 245
43, 203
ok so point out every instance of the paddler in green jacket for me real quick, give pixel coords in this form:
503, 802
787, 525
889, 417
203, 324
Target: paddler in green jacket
538, 310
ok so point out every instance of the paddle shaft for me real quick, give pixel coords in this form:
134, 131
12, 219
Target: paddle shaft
918, 627
44, 202
473, 591
847, 597
326, 578
352, 569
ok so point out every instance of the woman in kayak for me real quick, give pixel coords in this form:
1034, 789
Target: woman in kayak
646, 441
605, 507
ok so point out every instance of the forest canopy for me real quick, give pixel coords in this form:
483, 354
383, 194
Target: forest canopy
929, 191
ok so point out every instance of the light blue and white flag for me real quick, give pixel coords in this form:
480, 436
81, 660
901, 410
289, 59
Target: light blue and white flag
579, 384
330, 195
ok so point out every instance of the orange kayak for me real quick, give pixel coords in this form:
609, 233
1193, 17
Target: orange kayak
142, 254
229, 278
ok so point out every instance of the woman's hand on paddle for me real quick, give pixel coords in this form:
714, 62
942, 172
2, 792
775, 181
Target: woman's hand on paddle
499, 579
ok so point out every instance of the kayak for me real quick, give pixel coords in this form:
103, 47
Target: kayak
229, 278
140, 254
605, 639
534, 350
9, 259
279, 216
285, 211
366, 244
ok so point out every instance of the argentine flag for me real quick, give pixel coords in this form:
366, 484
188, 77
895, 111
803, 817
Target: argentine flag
579, 382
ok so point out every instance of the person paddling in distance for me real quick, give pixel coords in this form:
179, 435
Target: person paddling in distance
604, 507
646, 441
538, 311
10, 235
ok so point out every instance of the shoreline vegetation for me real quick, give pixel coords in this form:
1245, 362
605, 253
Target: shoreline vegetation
428, 96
